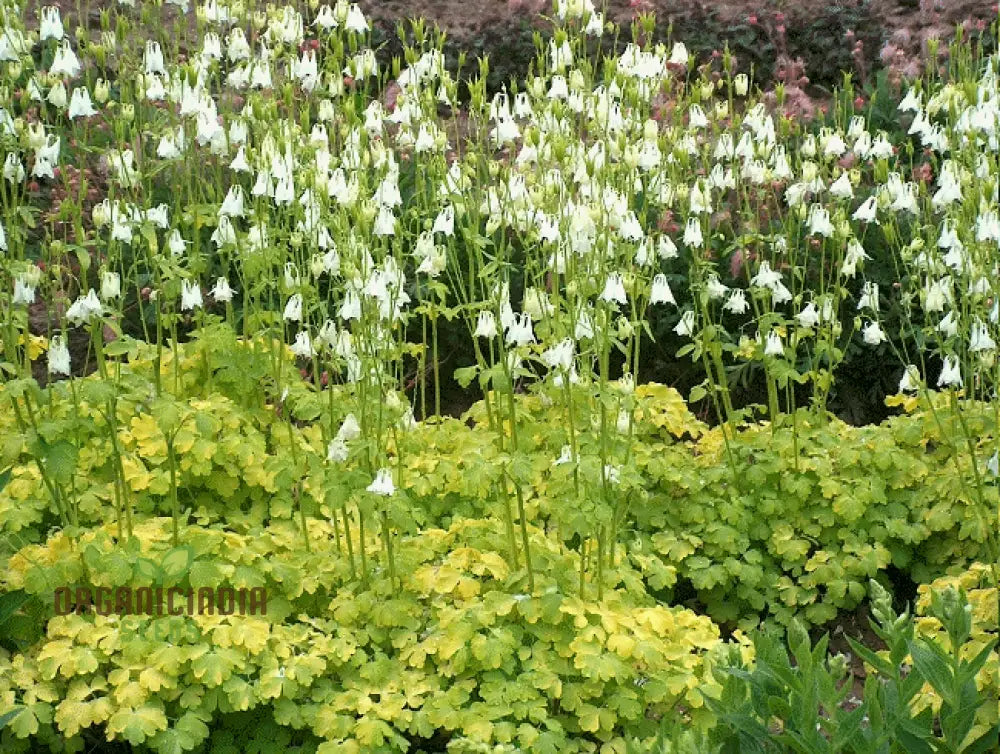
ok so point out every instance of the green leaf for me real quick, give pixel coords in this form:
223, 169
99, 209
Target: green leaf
932, 667
6, 717
60, 459
10, 603
177, 562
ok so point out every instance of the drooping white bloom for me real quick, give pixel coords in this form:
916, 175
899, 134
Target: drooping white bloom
85, 308
486, 325
660, 292
520, 331
80, 105
979, 338
24, 291
445, 221
809, 316
774, 346
841, 188
869, 297
614, 289
303, 346
937, 294
951, 373
50, 24
872, 333
293, 308
222, 291
559, 356
111, 285
692, 233
737, 302
59, 360
685, 327
190, 295
868, 211
65, 62
855, 253
819, 221
336, 450
382, 485
232, 205
910, 381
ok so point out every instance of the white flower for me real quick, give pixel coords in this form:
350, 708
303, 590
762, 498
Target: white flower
190, 295
937, 294
979, 339
349, 429
872, 334
868, 211
737, 302
293, 308
660, 292
819, 221
614, 289
356, 20
869, 297
809, 316
679, 54
685, 327
445, 221
855, 253
383, 483
520, 332
692, 233
85, 308
486, 326
232, 205
951, 373
222, 291
303, 345
336, 450
948, 326
841, 188
910, 381
559, 356
111, 285
993, 465
58, 356
716, 288
65, 62
565, 456
773, 346
24, 291
50, 25
80, 105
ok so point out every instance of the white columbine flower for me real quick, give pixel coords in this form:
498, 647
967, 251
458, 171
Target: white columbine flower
80, 105
383, 483
685, 327
809, 316
111, 285
222, 291
190, 295
85, 308
58, 356
660, 292
614, 289
979, 339
910, 381
773, 346
951, 373
872, 333
293, 309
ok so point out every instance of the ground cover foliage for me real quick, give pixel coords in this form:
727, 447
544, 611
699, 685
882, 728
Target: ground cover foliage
237, 257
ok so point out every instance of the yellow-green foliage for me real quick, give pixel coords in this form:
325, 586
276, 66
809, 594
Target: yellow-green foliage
454, 649
978, 584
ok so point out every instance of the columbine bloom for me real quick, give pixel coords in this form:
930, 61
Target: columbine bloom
873, 334
660, 292
190, 295
614, 289
520, 331
58, 356
979, 339
737, 302
686, 324
773, 346
383, 483
24, 291
50, 25
85, 308
303, 345
951, 373
869, 296
819, 221
293, 309
692, 233
80, 105
222, 291
111, 285
65, 62
486, 325
910, 381
559, 356
809, 316
349, 429
337, 450
868, 211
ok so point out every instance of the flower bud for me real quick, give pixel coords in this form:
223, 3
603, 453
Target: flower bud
101, 91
